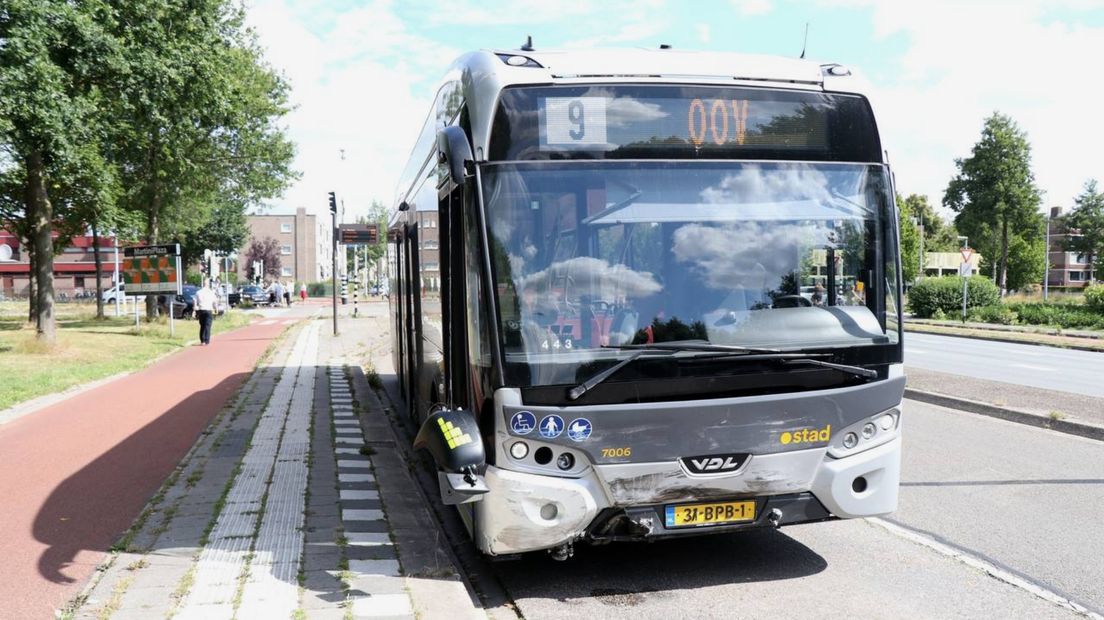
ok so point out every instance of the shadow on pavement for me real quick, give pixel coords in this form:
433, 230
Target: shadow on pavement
92, 508
618, 574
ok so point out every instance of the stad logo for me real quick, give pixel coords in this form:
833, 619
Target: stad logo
807, 435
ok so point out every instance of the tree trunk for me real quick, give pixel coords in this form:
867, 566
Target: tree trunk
32, 284
99, 269
152, 232
1004, 258
38, 203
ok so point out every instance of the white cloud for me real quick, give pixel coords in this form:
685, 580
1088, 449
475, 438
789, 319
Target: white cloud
360, 85
966, 60
704, 33
752, 7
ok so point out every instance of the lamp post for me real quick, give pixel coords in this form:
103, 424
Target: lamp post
965, 278
1046, 270
919, 220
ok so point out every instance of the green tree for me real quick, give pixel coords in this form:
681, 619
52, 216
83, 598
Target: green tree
994, 193
1026, 261
1087, 218
910, 241
198, 116
224, 230
939, 234
54, 55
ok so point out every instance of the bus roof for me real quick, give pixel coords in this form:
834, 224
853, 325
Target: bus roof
663, 64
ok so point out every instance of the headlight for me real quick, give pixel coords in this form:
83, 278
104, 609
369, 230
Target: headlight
865, 434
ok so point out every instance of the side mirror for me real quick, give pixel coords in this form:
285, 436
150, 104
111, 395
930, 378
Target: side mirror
453, 439
453, 149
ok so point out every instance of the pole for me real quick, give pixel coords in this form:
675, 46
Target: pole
965, 279
921, 272
333, 274
136, 326
1046, 272
117, 291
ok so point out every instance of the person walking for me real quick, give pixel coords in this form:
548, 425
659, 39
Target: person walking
206, 304
287, 293
303, 291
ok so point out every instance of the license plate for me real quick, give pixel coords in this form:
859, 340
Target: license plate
717, 513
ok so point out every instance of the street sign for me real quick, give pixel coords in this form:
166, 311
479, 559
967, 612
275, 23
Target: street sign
967, 253
358, 234
965, 269
151, 269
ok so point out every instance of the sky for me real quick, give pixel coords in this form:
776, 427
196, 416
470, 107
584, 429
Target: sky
364, 72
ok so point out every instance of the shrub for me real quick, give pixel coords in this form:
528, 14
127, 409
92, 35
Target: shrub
320, 289
1094, 297
931, 294
1065, 315
1000, 314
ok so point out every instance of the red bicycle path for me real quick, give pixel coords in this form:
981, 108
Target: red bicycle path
75, 475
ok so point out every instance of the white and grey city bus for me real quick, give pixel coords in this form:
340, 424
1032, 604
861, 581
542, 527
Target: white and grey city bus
649, 293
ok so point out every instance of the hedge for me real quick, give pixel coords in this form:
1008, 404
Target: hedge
945, 294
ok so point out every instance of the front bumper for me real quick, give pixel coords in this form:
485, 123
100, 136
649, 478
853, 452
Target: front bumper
529, 512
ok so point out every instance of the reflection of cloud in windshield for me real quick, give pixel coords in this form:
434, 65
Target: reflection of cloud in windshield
593, 276
754, 185
752, 255
623, 111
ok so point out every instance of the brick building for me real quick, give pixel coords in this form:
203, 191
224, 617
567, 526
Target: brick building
1068, 269
304, 243
74, 267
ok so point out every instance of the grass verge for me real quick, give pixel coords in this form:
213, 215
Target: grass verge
1065, 342
87, 349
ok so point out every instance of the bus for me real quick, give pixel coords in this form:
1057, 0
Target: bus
648, 294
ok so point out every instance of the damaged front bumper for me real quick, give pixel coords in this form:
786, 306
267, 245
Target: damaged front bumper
529, 512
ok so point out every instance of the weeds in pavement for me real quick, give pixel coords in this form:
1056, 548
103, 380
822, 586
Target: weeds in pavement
112, 605
1057, 415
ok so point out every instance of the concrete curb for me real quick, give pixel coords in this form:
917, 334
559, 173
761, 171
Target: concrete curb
1074, 347
1083, 429
1039, 330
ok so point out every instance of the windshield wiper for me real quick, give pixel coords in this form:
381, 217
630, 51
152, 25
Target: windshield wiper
858, 371
576, 392
705, 350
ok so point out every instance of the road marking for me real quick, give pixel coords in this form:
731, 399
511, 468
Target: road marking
356, 478
986, 567
912, 350
351, 495
1034, 367
361, 514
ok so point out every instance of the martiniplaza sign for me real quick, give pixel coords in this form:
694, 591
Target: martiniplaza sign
151, 269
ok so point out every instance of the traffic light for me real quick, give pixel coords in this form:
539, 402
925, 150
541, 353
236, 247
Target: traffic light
333, 203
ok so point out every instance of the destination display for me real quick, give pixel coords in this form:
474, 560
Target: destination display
635, 121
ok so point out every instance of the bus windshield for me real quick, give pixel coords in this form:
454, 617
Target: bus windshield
591, 256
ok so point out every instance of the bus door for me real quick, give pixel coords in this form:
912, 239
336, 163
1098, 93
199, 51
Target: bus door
412, 316
456, 381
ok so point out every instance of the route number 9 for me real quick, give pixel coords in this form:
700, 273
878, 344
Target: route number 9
576, 117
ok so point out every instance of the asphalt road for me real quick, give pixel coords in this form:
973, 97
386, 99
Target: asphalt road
1051, 368
1025, 499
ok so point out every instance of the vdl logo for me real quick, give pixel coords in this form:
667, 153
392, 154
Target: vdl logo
714, 464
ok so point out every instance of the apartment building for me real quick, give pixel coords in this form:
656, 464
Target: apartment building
304, 243
1069, 270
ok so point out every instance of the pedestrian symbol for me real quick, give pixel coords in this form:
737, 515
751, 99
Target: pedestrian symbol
522, 423
579, 430
551, 426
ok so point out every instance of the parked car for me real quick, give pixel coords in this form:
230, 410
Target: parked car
185, 302
109, 294
254, 294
